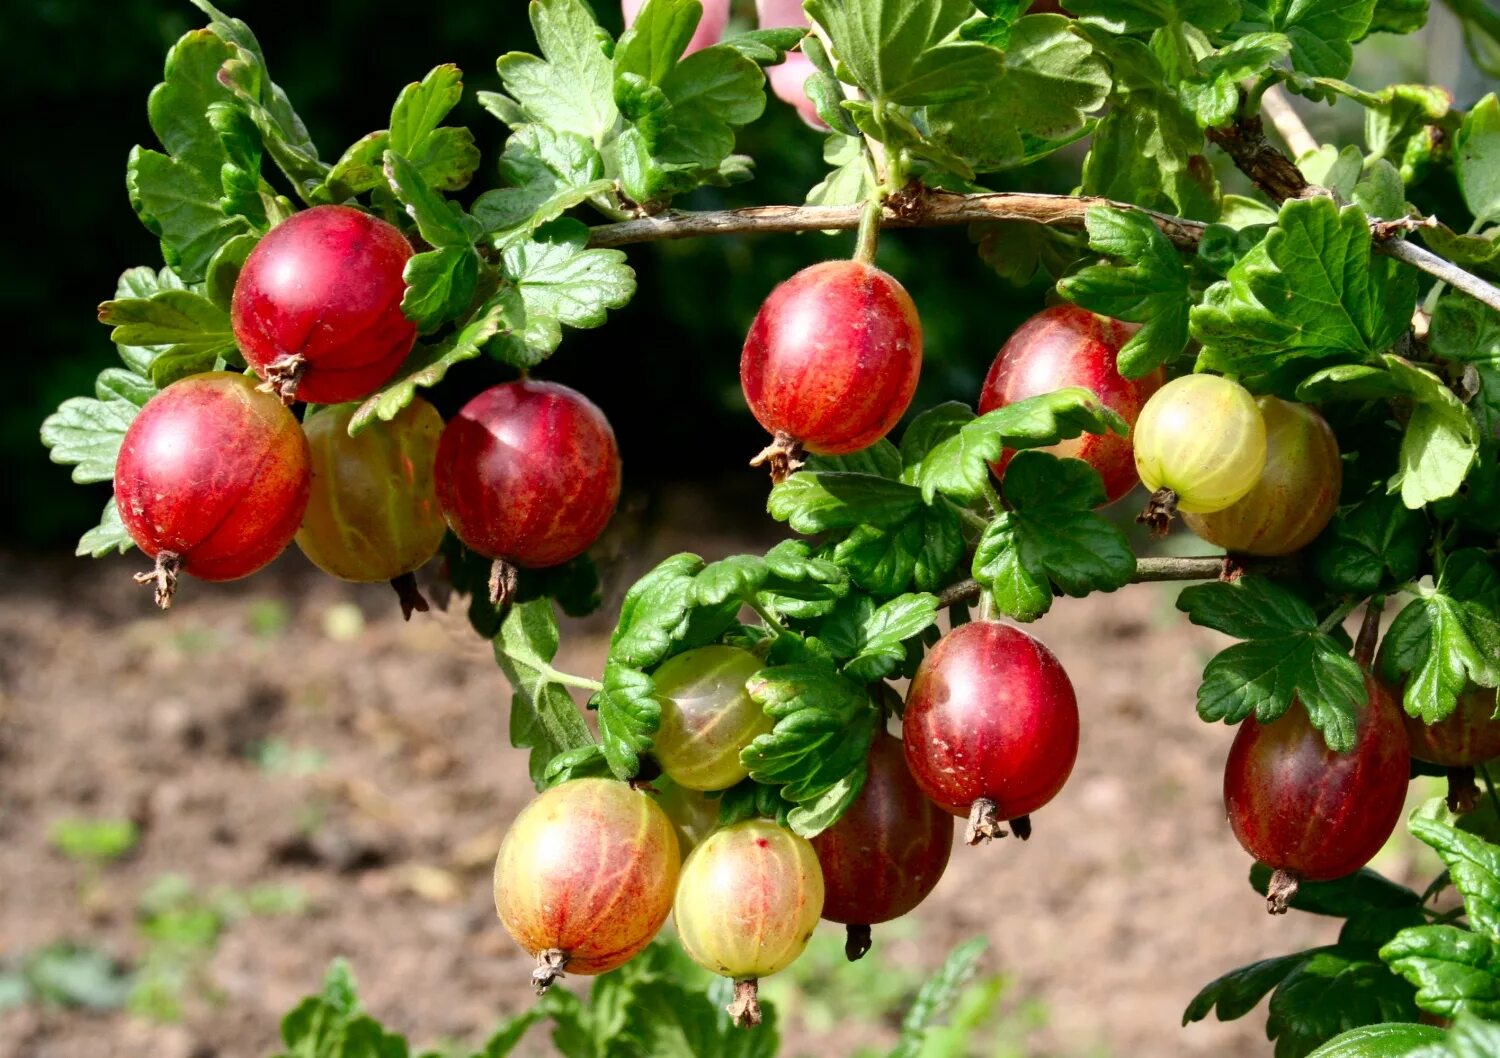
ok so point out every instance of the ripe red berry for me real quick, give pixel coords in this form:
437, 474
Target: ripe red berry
528, 473
886, 852
212, 479
1468, 736
1306, 811
991, 726
1069, 346
317, 307
832, 360
586, 876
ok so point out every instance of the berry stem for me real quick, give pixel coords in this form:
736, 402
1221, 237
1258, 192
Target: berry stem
1343, 610
744, 1011
1369, 632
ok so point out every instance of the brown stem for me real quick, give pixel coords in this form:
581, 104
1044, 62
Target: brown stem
784, 455
1463, 791
856, 942
1369, 633
1157, 570
1282, 891
550, 965
1267, 167
744, 1011
163, 576
504, 582
1160, 510
412, 599
924, 209
1021, 827
283, 377
984, 822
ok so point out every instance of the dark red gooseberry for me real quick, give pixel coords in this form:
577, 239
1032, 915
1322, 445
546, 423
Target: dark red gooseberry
1069, 346
528, 473
212, 479
1466, 737
832, 360
1311, 813
887, 851
991, 726
317, 307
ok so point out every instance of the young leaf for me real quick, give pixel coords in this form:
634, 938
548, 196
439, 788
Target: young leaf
1466, 332
921, 551
959, 466
1446, 637
543, 717
562, 283
872, 638
188, 332
550, 173
817, 751
440, 222
812, 501
1331, 990
1474, 868
1236, 993
628, 717
1213, 93
937, 997
109, 535
1477, 154
1151, 289
1283, 656
1050, 535
1321, 31
1311, 289
1454, 970
927, 431
654, 612
571, 88
87, 433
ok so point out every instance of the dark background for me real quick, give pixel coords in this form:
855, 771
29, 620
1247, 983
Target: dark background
664, 369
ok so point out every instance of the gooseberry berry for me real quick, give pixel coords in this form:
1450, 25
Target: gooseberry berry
1468, 736
991, 726
212, 479
1068, 346
747, 903
707, 716
585, 877
317, 306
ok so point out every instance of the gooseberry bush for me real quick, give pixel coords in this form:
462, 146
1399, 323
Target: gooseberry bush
1283, 349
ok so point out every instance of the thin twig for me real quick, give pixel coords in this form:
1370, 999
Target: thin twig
930, 209
1287, 122
1447, 271
1153, 570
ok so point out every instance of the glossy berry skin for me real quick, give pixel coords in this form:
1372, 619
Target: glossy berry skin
748, 900
1295, 805
589, 869
888, 850
373, 513
326, 285
707, 716
528, 472
694, 816
1467, 736
1296, 494
1069, 346
991, 714
215, 472
833, 356
1203, 437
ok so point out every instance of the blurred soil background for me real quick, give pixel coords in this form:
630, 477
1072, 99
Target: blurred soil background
199, 809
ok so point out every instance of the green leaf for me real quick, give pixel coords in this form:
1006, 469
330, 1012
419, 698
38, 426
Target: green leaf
551, 172
882, 459
1236, 993
571, 88
1148, 150
427, 364
191, 331
905, 54
1052, 81
959, 466
1151, 289
1362, 893
1388, 1040
654, 612
440, 284
1474, 868
1447, 637
922, 551
331, 1025
87, 433
812, 501
562, 283
1332, 991
800, 585
1284, 656
994, 28
440, 222
817, 751
927, 431
1441, 438
1049, 535
1143, 16
1320, 31
1472, 1038
1213, 94
109, 535
181, 208
1477, 157
937, 996
628, 716
1311, 289
421, 108
1378, 542
1454, 970
1466, 332
543, 717
872, 637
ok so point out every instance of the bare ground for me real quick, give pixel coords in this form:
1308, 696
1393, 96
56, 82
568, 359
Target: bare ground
1129, 896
